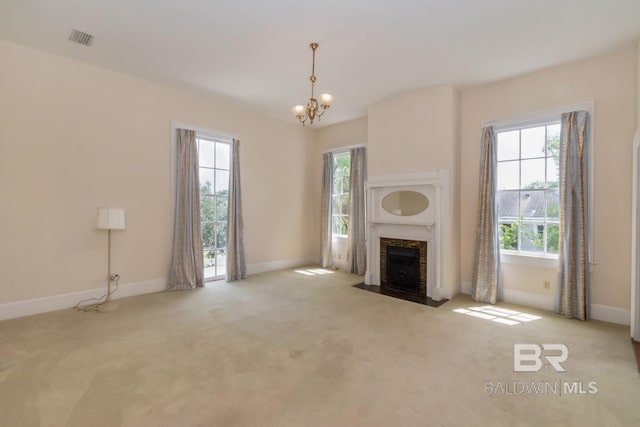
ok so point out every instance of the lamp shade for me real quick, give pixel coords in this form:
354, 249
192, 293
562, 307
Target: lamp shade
298, 111
326, 100
110, 219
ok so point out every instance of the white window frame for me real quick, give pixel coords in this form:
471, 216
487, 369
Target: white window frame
540, 118
337, 151
333, 194
216, 140
544, 221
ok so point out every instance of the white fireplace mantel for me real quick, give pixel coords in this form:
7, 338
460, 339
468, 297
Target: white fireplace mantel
431, 225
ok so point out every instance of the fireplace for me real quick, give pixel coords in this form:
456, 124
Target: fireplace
430, 227
403, 266
403, 271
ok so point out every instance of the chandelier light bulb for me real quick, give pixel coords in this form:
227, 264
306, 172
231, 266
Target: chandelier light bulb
326, 100
298, 111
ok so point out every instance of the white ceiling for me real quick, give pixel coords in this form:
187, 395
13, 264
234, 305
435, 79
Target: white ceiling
255, 52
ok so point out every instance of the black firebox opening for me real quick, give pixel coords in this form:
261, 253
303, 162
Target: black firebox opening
403, 269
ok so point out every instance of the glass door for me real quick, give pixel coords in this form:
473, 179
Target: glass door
214, 157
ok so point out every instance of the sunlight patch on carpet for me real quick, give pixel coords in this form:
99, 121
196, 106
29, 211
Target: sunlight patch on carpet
498, 315
314, 271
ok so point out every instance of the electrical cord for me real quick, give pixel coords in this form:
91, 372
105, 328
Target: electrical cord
94, 307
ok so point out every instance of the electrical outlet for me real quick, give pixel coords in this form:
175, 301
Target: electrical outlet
547, 284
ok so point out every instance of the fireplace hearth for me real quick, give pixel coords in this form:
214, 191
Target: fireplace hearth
403, 271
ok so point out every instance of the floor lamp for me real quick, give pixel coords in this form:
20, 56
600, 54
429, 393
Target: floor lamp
109, 219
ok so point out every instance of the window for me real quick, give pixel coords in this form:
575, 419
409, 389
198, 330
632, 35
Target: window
340, 195
214, 156
528, 189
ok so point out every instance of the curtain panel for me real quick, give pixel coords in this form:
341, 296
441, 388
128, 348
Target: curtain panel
356, 255
187, 265
326, 211
573, 299
487, 283
236, 264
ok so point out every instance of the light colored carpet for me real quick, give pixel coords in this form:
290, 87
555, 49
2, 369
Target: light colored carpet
287, 349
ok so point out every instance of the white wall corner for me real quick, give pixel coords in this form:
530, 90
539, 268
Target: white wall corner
465, 287
456, 289
60, 302
635, 234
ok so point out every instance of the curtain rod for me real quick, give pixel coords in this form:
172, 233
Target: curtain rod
345, 148
211, 133
538, 115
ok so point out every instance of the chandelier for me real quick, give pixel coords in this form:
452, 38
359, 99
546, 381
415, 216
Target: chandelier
314, 109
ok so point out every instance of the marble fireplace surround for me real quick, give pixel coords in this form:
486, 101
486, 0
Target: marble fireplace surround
431, 225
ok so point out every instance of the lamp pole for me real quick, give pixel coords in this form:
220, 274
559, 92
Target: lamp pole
108, 306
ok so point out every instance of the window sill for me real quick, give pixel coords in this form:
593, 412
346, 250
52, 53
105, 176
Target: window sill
340, 237
542, 261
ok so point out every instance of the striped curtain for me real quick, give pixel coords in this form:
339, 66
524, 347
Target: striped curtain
573, 259
487, 284
236, 264
187, 265
356, 255
326, 210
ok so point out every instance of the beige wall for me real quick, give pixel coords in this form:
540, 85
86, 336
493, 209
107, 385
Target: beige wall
417, 132
610, 82
413, 132
343, 134
74, 137
635, 289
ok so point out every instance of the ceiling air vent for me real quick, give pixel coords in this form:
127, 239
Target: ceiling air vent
80, 37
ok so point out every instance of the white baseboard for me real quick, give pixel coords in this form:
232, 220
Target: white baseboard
543, 302
340, 265
59, 302
604, 313
263, 267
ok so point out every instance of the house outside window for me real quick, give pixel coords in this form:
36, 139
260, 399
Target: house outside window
528, 189
340, 195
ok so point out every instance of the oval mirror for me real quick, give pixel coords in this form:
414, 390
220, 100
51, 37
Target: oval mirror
405, 203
